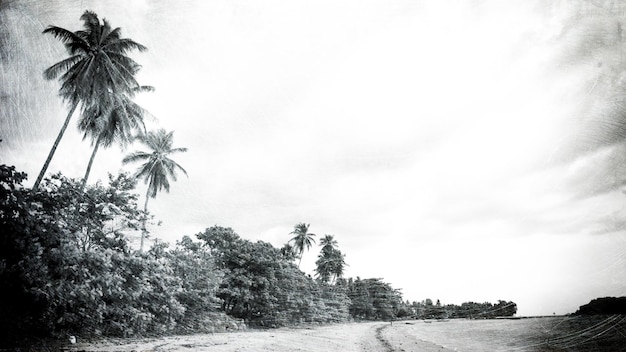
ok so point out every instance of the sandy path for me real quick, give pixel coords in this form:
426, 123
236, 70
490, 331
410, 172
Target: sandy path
357, 337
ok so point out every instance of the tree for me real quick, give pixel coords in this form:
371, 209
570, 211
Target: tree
108, 124
330, 265
331, 261
302, 239
157, 167
65, 265
261, 285
328, 243
288, 252
373, 299
97, 65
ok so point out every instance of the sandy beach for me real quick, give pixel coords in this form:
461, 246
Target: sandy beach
368, 337
603, 333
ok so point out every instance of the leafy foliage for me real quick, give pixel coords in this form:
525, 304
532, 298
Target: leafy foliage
373, 299
67, 268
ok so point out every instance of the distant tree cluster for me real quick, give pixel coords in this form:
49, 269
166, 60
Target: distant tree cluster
604, 305
470, 310
262, 285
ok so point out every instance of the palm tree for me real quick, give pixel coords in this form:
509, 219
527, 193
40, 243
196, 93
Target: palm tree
328, 243
112, 123
330, 265
157, 167
97, 65
302, 239
331, 262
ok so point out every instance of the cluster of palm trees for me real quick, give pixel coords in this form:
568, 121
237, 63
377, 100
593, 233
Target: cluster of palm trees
330, 263
98, 80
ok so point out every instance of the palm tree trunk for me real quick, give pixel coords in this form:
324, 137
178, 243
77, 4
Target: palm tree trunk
54, 148
144, 232
93, 156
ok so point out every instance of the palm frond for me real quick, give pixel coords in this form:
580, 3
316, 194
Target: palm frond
177, 150
113, 35
123, 46
105, 32
69, 38
136, 156
91, 23
55, 70
143, 89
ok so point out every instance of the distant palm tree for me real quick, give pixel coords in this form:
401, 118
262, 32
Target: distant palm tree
97, 66
330, 265
109, 124
157, 167
331, 262
302, 239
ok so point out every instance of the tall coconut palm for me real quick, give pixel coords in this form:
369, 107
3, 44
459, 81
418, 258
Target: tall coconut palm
110, 124
157, 167
302, 239
97, 65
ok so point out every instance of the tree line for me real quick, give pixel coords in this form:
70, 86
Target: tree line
67, 268
468, 310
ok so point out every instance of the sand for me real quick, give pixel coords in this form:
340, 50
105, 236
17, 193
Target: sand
368, 337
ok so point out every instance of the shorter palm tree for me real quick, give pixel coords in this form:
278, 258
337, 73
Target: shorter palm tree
157, 167
331, 262
302, 239
328, 243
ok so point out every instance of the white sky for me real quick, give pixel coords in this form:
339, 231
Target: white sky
426, 136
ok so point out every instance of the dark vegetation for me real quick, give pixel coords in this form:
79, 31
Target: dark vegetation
604, 305
67, 268
468, 310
